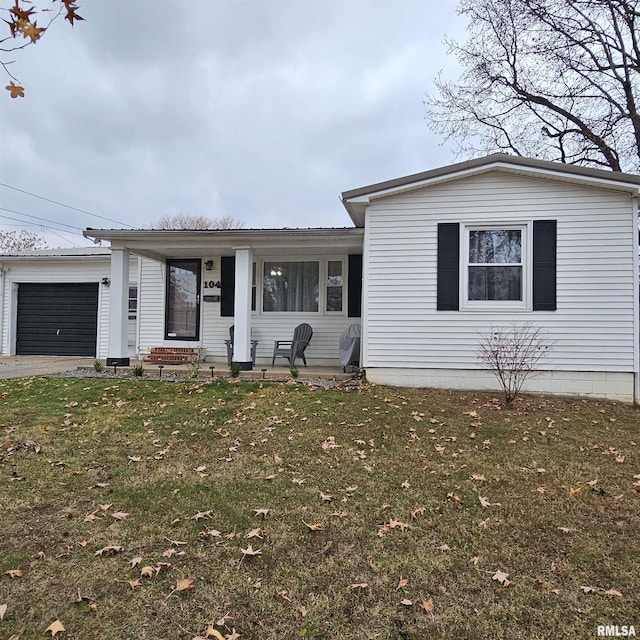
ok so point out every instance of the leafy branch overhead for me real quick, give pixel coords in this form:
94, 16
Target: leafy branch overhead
24, 30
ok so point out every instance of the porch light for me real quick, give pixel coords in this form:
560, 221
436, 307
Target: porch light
276, 272
106, 282
208, 265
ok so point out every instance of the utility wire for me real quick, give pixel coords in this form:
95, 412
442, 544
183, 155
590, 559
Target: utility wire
28, 215
35, 224
61, 204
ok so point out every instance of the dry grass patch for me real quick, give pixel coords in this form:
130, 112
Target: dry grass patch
140, 509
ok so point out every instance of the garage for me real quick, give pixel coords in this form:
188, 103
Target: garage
57, 319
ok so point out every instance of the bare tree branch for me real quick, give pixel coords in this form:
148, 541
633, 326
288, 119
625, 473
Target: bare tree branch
554, 79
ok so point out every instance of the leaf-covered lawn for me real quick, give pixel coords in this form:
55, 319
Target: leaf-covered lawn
133, 509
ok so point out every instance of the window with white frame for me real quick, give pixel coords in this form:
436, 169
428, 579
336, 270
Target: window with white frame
291, 286
495, 264
334, 285
133, 303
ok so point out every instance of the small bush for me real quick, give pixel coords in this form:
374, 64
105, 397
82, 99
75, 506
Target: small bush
512, 354
138, 370
194, 370
98, 366
294, 371
234, 369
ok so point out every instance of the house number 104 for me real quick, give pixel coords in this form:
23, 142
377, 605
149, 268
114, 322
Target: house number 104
210, 284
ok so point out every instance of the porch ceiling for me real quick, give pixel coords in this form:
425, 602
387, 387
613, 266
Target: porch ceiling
161, 244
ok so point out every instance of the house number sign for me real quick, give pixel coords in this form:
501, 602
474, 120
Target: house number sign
211, 284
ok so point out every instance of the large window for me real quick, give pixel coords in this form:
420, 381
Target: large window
495, 264
291, 286
183, 300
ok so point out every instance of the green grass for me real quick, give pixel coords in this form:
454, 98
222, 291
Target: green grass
405, 471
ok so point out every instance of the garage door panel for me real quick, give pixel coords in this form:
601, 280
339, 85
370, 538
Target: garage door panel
57, 319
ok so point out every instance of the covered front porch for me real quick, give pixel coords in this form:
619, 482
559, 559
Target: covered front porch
195, 285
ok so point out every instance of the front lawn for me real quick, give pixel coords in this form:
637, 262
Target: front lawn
148, 510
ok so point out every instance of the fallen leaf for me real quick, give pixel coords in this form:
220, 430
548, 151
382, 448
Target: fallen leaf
134, 562
213, 633
54, 627
14, 573
313, 527
109, 550
250, 551
120, 515
185, 584
359, 585
136, 582
501, 577
202, 514
233, 635
3, 610
406, 485
261, 512
426, 605
325, 497
406, 602
402, 583
147, 572
221, 622
612, 592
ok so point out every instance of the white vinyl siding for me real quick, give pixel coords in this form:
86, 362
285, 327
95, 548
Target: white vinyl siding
593, 326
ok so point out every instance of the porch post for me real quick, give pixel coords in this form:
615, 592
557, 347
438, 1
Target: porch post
118, 354
242, 309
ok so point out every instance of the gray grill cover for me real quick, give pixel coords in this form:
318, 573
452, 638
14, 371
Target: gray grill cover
350, 345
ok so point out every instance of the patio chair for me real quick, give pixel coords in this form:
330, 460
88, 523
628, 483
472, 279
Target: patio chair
292, 349
229, 343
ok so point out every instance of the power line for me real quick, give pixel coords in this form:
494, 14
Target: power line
61, 204
36, 224
28, 215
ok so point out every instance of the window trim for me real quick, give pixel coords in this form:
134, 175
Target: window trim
527, 268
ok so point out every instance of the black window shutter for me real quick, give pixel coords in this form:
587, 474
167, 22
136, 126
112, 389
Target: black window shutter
544, 265
227, 285
448, 266
354, 285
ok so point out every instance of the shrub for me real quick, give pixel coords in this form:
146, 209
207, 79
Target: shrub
234, 369
194, 370
98, 366
138, 370
294, 371
512, 354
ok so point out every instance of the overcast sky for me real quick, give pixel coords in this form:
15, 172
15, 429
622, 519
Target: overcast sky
264, 111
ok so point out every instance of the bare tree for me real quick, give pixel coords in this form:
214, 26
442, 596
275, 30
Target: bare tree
185, 221
553, 79
20, 241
